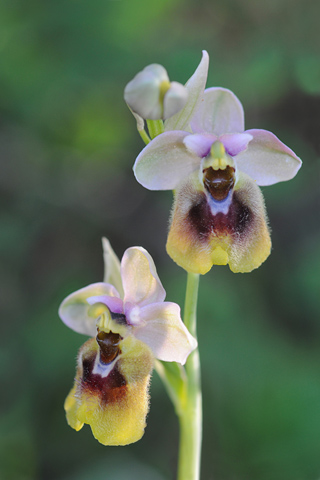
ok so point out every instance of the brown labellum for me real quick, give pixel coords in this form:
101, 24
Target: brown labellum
109, 346
219, 182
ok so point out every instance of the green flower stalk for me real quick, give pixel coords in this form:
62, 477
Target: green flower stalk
190, 415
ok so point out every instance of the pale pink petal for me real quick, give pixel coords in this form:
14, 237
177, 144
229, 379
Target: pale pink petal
114, 304
158, 71
164, 161
199, 144
164, 332
142, 93
235, 143
140, 279
174, 100
111, 266
74, 310
267, 160
195, 87
220, 112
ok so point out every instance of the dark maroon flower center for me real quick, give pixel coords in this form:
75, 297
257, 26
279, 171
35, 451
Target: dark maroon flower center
219, 182
109, 346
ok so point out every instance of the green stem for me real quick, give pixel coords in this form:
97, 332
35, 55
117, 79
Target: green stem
155, 127
190, 415
145, 137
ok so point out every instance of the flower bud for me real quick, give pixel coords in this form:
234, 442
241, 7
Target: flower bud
151, 95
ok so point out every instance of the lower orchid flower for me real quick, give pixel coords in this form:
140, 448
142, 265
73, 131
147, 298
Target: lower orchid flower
131, 325
218, 215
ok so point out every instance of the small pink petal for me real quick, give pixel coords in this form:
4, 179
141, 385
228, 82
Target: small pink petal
199, 144
235, 143
114, 304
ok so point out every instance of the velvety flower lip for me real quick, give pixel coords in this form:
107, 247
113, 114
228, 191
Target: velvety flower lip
204, 232
111, 397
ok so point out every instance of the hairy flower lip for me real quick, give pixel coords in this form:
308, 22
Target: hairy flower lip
111, 397
204, 231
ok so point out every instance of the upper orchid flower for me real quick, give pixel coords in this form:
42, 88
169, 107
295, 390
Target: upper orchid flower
152, 96
131, 325
218, 215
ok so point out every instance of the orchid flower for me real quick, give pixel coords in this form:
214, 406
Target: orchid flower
130, 325
215, 167
152, 96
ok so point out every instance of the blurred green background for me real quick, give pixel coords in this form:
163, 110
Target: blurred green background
67, 148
